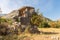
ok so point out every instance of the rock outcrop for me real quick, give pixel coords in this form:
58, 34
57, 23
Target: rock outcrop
23, 16
11, 15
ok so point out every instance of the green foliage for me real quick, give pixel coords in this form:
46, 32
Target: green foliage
40, 21
2, 20
36, 19
58, 24
46, 25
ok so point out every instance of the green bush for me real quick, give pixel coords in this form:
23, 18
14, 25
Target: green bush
4, 30
46, 25
2, 20
57, 26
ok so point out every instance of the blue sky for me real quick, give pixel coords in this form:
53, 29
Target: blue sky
49, 8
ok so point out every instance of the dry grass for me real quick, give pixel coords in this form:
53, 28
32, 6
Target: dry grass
28, 36
46, 36
57, 30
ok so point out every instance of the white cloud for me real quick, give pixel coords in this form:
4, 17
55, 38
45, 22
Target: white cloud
9, 5
4, 5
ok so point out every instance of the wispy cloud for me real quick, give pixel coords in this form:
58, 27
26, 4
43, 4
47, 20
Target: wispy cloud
48, 7
4, 5
9, 5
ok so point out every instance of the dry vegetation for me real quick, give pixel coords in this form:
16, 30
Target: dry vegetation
48, 36
42, 36
39, 28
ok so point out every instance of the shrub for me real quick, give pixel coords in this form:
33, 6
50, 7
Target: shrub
2, 20
4, 30
46, 25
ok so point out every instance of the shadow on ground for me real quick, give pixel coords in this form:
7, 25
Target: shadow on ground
50, 33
